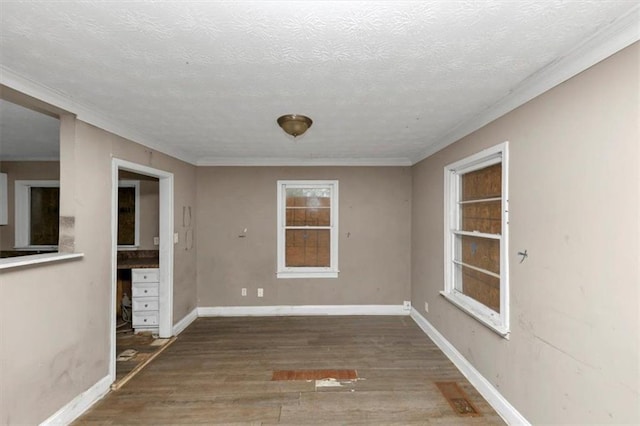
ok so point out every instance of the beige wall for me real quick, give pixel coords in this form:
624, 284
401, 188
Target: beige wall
55, 319
22, 170
374, 244
575, 329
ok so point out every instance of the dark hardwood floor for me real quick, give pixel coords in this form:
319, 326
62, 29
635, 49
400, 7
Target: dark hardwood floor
220, 370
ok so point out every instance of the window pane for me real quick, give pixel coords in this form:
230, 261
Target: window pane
479, 252
482, 217
483, 183
479, 286
308, 197
126, 216
308, 247
45, 210
308, 216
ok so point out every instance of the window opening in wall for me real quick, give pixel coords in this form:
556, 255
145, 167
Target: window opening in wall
307, 229
476, 227
30, 171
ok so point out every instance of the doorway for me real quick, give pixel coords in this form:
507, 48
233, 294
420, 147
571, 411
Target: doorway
165, 250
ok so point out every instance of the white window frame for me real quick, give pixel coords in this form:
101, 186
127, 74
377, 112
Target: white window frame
496, 321
307, 272
133, 184
23, 213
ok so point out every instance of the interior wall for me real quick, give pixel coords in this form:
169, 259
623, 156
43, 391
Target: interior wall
572, 356
374, 226
55, 318
22, 170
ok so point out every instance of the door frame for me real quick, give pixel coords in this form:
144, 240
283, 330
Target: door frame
165, 180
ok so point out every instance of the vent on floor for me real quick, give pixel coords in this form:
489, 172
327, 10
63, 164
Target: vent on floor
314, 374
457, 399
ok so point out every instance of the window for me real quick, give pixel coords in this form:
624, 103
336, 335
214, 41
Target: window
307, 229
37, 214
128, 214
476, 237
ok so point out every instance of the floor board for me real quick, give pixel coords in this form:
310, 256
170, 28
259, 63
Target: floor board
220, 371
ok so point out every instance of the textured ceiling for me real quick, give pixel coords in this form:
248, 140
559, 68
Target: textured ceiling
205, 81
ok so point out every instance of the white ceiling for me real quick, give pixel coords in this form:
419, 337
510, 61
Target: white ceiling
385, 82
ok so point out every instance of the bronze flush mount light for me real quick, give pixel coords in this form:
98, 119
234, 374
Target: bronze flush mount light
294, 124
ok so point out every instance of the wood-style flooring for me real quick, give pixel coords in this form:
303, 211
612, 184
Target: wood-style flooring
221, 370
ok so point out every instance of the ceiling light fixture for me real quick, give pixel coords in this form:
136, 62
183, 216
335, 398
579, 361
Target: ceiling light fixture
294, 124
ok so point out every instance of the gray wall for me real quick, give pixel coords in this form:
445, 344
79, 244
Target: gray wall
55, 318
574, 189
374, 244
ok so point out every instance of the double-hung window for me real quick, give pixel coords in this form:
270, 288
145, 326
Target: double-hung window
307, 229
476, 237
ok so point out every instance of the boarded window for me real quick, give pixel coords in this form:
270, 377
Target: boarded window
44, 213
307, 222
476, 277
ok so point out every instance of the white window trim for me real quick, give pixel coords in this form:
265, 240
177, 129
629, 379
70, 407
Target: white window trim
133, 184
23, 213
307, 272
498, 322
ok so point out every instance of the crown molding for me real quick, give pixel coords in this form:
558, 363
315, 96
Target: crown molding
606, 41
306, 162
82, 112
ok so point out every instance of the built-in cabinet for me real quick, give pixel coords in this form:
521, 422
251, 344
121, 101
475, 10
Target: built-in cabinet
145, 290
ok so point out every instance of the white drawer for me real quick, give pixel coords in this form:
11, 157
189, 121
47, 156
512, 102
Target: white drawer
145, 319
144, 290
151, 275
145, 304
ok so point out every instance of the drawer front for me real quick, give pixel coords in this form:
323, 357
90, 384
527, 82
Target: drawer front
145, 275
145, 304
144, 290
145, 319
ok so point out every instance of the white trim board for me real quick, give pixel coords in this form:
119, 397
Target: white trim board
267, 311
185, 322
499, 403
81, 403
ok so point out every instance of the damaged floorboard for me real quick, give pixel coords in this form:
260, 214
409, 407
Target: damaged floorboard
221, 370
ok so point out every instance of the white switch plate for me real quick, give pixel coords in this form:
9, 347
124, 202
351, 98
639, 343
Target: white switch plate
175, 238
426, 307
260, 292
406, 305
244, 291
156, 241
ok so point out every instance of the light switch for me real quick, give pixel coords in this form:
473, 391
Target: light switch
175, 238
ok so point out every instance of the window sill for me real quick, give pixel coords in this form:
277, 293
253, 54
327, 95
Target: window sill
127, 248
14, 262
307, 274
481, 315
36, 248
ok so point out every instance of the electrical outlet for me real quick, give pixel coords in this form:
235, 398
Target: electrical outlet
406, 305
244, 291
260, 292
156, 241
426, 307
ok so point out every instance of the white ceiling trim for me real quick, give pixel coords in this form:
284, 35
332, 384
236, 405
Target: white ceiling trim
260, 161
619, 34
82, 112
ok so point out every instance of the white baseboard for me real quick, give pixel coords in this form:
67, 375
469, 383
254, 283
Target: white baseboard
264, 311
185, 322
80, 403
499, 403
